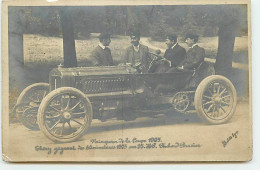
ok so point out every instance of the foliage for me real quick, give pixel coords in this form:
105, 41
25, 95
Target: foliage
152, 21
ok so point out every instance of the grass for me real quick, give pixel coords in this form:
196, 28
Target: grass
49, 50
210, 44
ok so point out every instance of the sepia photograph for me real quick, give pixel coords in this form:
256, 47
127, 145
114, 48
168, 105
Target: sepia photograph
126, 82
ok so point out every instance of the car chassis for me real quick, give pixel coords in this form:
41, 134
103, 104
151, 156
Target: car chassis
64, 108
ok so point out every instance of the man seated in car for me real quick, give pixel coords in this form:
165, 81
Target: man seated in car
195, 54
101, 56
173, 55
194, 57
137, 55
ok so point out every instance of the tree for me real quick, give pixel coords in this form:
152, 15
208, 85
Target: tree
228, 28
69, 50
15, 47
158, 28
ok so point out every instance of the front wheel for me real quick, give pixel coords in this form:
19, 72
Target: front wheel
215, 99
65, 114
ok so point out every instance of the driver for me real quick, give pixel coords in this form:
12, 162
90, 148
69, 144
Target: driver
175, 53
137, 55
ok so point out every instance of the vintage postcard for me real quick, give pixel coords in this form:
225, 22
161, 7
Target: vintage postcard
126, 81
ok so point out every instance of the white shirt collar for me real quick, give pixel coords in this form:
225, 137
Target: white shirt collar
136, 48
174, 45
102, 46
194, 45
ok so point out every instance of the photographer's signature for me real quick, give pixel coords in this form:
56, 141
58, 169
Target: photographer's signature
232, 136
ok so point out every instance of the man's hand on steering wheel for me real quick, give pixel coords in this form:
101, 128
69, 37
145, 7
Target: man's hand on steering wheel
180, 68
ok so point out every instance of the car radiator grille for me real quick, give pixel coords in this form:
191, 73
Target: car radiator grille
106, 85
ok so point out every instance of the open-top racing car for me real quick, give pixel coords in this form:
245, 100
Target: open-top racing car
64, 108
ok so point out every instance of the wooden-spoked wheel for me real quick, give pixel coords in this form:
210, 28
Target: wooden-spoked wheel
65, 114
28, 103
215, 99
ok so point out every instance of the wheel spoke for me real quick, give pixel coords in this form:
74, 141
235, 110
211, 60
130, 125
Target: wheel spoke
225, 96
214, 88
69, 124
213, 112
77, 122
44, 94
218, 112
61, 131
210, 92
223, 91
52, 117
209, 102
47, 112
31, 99
75, 106
55, 124
218, 89
38, 99
79, 113
61, 101
68, 103
222, 109
209, 108
207, 97
225, 103
54, 108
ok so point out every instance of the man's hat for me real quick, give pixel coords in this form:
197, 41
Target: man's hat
103, 36
192, 36
172, 37
135, 35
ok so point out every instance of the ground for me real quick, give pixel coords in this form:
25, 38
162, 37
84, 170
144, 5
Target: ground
171, 127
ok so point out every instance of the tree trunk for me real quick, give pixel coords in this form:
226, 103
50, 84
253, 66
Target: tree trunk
226, 40
17, 73
69, 50
223, 65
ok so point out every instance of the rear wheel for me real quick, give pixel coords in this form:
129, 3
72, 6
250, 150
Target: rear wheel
28, 103
215, 99
65, 114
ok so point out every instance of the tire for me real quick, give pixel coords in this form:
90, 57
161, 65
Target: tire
60, 114
27, 108
215, 99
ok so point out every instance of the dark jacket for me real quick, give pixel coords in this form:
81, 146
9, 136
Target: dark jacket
176, 55
102, 57
143, 57
195, 56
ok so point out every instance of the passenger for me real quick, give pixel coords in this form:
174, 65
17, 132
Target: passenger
195, 54
101, 56
137, 55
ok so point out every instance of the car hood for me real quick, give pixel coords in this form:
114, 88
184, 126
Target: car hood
90, 71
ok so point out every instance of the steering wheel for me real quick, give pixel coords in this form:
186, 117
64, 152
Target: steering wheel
130, 69
156, 60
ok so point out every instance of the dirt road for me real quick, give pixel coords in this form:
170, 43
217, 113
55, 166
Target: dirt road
197, 140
